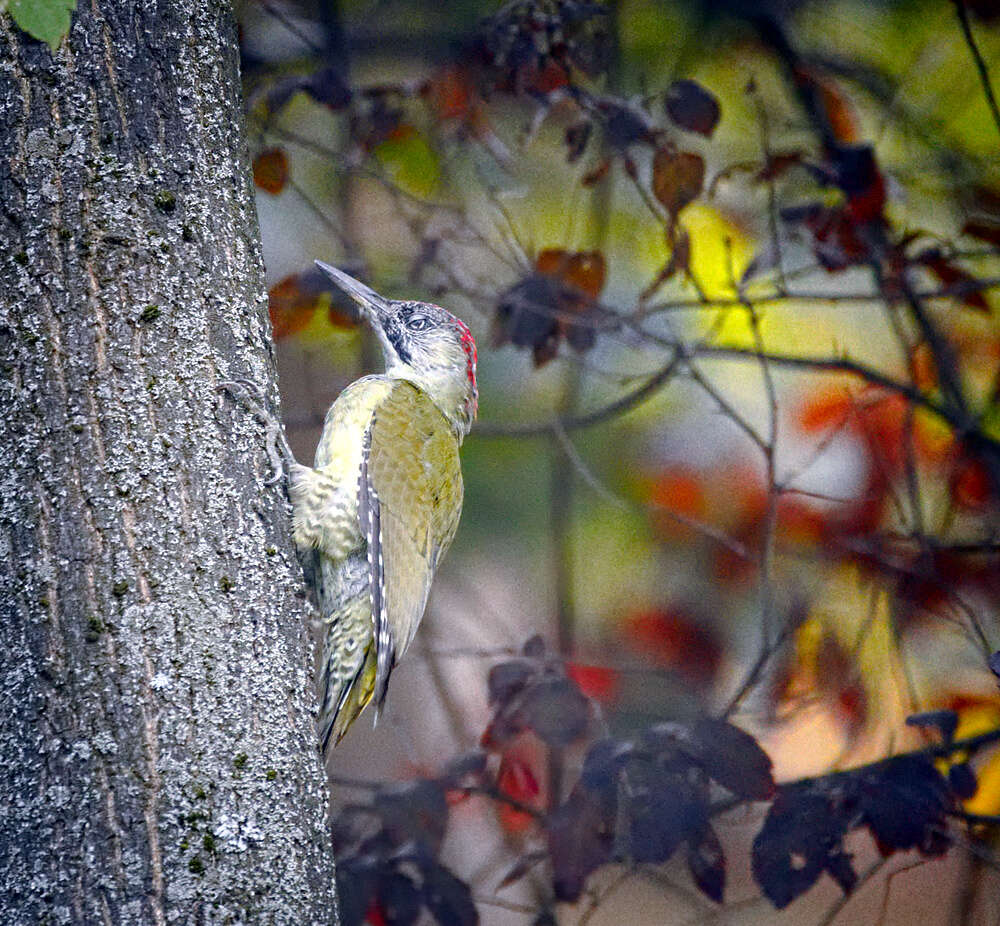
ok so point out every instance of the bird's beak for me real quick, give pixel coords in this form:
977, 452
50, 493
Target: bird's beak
373, 306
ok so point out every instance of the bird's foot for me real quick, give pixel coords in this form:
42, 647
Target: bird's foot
279, 453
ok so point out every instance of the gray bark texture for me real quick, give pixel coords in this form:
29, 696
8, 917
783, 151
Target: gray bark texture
158, 754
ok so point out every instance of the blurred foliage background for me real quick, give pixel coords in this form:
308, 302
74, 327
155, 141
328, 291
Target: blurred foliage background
731, 268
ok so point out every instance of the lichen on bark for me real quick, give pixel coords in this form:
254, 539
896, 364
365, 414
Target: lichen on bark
158, 759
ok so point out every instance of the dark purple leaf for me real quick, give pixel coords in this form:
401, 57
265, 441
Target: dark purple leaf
327, 87
840, 868
801, 833
733, 758
469, 764
994, 663
356, 880
963, 781
506, 679
580, 839
556, 710
534, 647
690, 106
399, 898
707, 864
624, 125
448, 898
904, 801
944, 721
415, 810
660, 819
604, 760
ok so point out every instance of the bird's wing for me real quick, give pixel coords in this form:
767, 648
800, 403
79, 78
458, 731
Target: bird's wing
410, 499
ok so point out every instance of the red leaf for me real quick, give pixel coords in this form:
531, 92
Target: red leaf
597, 682
676, 641
971, 486
270, 170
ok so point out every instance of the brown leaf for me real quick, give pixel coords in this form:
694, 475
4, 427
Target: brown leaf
677, 178
984, 231
690, 106
270, 170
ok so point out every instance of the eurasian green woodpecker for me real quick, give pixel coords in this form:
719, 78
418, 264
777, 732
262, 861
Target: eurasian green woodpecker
381, 505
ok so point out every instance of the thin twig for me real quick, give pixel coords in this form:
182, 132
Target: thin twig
984, 74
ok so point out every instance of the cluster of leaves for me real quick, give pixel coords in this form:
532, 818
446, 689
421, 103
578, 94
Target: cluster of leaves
556, 300
904, 802
636, 801
388, 870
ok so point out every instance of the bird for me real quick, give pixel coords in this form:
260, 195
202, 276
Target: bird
379, 508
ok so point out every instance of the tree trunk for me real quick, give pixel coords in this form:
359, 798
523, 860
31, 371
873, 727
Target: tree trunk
158, 757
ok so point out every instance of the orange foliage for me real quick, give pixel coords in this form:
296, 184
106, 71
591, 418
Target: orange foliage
597, 682
518, 778
270, 170
676, 641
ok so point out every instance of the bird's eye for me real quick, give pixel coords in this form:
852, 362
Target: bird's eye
418, 323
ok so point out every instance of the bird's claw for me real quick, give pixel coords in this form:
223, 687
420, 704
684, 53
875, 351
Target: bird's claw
277, 443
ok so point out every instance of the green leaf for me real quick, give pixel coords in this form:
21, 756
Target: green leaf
45, 20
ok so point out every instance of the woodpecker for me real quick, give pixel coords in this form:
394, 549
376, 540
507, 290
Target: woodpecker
381, 504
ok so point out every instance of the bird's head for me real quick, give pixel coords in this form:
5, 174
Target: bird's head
424, 344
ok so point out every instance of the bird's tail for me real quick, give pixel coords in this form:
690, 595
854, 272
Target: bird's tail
347, 659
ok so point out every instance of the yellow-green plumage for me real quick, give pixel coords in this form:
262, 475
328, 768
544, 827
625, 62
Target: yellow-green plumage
412, 466
382, 503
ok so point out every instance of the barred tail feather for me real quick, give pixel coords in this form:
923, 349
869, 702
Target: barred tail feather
347, 657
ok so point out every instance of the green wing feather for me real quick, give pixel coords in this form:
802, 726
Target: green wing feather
411, 501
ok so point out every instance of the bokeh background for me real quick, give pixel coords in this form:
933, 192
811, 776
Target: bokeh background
708, 469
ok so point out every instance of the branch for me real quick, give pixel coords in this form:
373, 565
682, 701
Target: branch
984, 74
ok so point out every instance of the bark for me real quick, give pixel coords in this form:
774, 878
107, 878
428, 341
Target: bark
158, 757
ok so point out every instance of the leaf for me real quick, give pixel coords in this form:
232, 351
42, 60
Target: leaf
356, 885
674, 638
45, 20
677, 178
556, 710
409, 159
661, 817
580, 840
984, 231
962, 780
399, 898
414, 810
945, 722
448, 898
801, 832
597, 682
624, 125
601, 766
994, 663
506, 679
707, 863
270, 170
904, 802
963, 285
690, 106
734, 759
